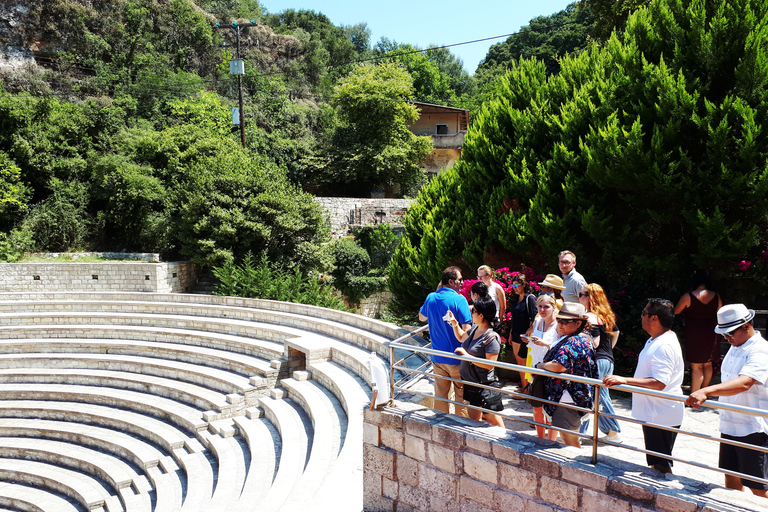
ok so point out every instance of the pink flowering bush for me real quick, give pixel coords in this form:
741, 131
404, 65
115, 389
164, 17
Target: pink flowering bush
504, 278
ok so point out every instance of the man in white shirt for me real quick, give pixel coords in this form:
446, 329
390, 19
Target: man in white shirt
659, 367
572, 280
744, 376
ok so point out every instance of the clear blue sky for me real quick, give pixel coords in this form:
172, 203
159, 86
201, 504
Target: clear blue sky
439, 23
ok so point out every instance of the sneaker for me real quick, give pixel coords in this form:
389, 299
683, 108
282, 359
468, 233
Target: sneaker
616, 438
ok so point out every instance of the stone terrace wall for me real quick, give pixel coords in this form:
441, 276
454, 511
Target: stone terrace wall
344, 211
426, 460
102, 276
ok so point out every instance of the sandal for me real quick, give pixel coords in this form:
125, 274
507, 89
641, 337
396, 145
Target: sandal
523, 390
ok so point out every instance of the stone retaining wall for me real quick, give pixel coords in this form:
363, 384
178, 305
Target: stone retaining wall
344, 211
426, 460
171, 277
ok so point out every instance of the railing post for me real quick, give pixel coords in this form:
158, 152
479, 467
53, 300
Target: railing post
391, 374
595, 420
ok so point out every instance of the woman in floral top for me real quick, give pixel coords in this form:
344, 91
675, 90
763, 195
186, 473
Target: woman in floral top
573, 354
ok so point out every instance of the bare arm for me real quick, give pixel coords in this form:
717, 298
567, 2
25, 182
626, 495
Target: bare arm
683, 303
614, 338
551, 366
502, 301
728, 388
422, 317
644, 382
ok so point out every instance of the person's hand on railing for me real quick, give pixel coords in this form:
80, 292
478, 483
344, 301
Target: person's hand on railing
614, 380
461, 351
695, 399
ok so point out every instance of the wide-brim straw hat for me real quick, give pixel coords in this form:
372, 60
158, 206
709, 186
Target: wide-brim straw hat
572, 311
553, 281
733, 316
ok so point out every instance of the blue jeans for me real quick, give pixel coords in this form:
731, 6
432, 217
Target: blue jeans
604, 367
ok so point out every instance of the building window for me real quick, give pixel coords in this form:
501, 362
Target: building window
442, 129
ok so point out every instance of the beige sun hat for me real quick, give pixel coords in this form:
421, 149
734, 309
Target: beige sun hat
553, 281
572, 311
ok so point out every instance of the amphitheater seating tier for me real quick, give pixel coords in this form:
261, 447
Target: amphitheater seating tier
181, 402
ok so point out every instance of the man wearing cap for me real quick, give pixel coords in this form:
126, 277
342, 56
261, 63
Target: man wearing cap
573, 282
446, 298
744, 376
659, 367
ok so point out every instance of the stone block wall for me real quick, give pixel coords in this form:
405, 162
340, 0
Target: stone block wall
419, 459
344, 211
168, 277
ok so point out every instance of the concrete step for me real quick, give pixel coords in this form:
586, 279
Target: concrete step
200, 480
168, 488
139, 452
230, 475
293, 453
110, 470
17, 497
327, 417
156, 431
86, 490
260, 348
241, 364
343, 484
177, 413
220, 380
264, 446
182, 392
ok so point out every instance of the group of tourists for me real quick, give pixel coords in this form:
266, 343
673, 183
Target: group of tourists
571, 329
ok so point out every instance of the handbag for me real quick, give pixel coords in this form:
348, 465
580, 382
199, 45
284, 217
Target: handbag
536, 389
491, 397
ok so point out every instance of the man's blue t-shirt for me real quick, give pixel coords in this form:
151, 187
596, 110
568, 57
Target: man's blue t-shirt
435, 307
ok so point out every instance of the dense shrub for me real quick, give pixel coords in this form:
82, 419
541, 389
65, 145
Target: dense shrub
379, 242
61, 222
263, 280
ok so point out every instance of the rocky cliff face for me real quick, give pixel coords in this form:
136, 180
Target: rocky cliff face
15, 48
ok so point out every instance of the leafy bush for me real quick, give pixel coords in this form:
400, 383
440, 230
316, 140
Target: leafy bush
14, 244
61, 222
352, 273
379, 242
262, 281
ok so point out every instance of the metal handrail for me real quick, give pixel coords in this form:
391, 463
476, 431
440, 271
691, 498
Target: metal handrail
595, 411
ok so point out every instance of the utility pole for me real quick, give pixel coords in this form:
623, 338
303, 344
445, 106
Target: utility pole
237, 67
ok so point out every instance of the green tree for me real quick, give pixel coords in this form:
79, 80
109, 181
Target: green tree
13, 193
373, 147
630, 156
610, 15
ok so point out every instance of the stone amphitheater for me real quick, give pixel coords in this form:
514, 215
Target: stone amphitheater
178, 402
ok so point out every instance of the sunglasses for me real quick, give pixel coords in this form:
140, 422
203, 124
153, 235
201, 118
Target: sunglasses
563, 321
583, 295
730, 334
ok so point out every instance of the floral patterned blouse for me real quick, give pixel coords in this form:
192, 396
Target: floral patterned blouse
576, 354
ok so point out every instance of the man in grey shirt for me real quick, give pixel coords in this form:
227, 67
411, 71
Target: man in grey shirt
572, 280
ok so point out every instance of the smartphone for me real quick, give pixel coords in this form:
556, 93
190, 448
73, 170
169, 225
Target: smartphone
525, 338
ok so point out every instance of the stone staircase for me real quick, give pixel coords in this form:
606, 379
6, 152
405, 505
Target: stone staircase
179, 402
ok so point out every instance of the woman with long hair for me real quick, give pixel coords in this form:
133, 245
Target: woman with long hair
523, 307
495, 291
481, 342
605, 334
572, 354
543, 336
702, 345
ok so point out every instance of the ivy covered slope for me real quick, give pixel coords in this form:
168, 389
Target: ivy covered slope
647, 156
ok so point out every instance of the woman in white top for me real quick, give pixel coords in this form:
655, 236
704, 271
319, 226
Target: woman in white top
495, 291
544, 334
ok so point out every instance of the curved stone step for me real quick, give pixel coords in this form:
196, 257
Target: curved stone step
230, 475
29, 498
327, 418
137, 424
343, 485
195, 396
199, 483
168, 489
83, 488
249, 346
166, 409
127, 447
109, 469
293, 453
241, 364
212, 378
365, 333
264, 444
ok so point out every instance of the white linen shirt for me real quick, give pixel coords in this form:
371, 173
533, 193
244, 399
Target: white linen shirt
661, 359
750, 359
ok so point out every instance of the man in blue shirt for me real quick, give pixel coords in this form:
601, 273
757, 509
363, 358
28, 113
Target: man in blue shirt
438, 303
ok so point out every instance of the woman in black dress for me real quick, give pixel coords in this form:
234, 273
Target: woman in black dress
523, 308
